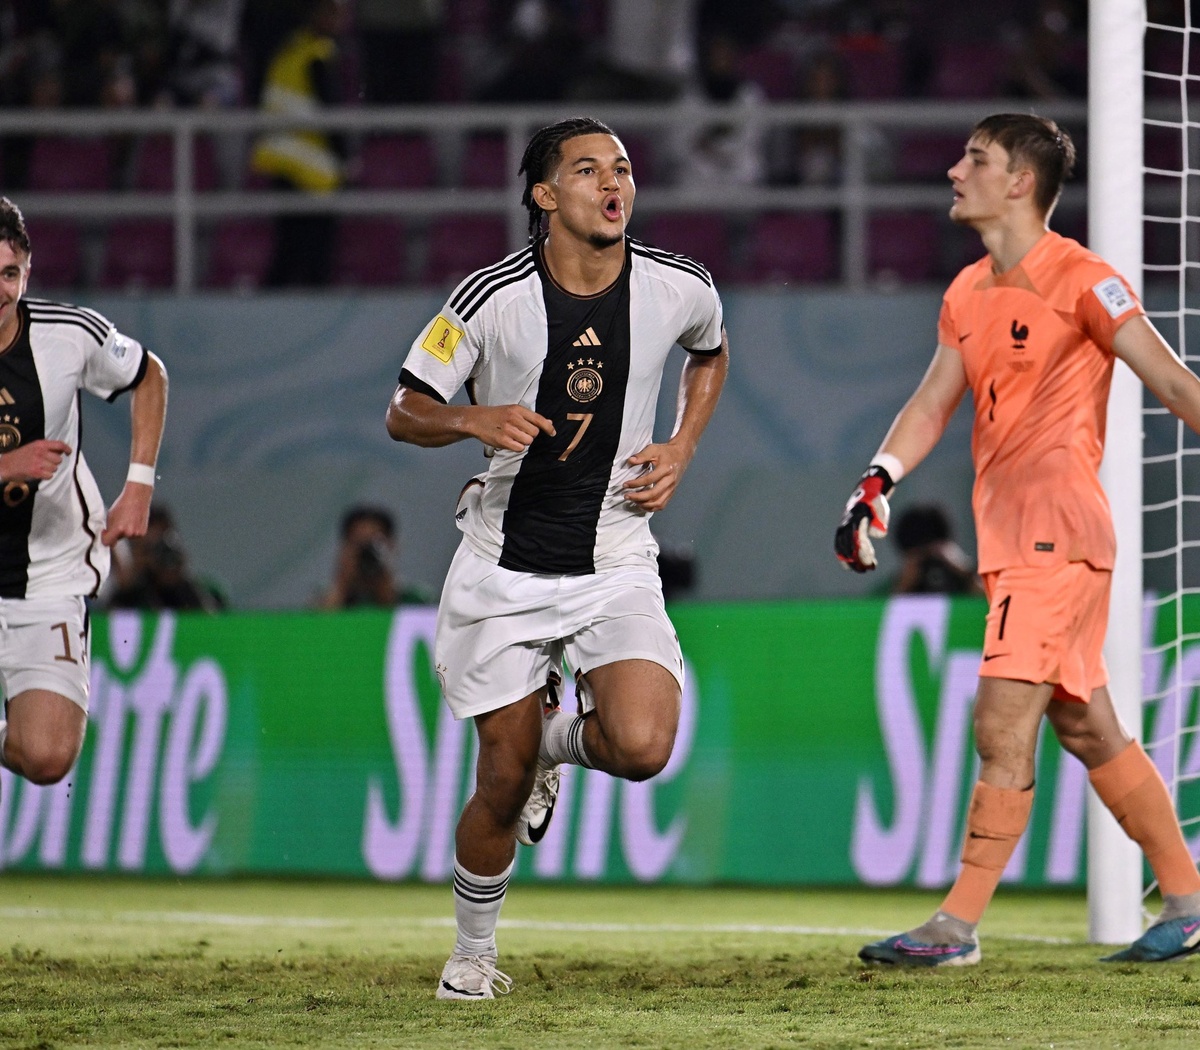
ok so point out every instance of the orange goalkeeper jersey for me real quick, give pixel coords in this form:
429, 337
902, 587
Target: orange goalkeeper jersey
1036, 343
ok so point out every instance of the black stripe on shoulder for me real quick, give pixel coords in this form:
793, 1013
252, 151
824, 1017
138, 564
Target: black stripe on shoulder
58, 313
137, 379
680, 262
493, 288
81, 311
467, 296
419, 385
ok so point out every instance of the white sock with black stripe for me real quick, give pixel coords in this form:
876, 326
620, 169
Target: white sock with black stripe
477, 903
562, 741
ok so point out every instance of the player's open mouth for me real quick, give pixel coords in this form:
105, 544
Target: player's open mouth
613, 207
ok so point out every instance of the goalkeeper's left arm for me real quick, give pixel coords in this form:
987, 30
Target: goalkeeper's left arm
913, 433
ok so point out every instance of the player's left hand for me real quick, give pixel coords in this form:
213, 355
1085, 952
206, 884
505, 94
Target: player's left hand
653, 488
865, 518
130, 514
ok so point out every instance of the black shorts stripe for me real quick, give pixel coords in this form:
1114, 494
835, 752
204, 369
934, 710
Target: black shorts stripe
480, 286
49, 313
680, 262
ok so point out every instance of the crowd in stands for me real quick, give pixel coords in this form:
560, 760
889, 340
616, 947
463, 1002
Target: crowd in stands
164, 54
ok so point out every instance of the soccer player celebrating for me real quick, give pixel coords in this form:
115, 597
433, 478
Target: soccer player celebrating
1032, 330
562, 347
54, 537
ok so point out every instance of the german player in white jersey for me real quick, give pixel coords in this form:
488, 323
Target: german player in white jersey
54, 532
562, 346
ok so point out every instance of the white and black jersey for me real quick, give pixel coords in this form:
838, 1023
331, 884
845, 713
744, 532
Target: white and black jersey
50, 530
593, 366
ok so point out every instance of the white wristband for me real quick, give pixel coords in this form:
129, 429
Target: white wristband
140, 473
891, 464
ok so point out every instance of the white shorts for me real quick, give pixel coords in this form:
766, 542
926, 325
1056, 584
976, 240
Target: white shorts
45, 643
500, 634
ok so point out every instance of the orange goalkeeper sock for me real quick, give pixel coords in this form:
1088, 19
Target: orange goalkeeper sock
1131, 787
996, 819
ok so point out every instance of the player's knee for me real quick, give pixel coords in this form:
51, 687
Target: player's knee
47, 764
644, 755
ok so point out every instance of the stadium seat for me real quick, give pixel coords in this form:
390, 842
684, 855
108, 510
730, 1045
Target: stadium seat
57, 255
903, 246
704, 237
874, 68
370, 252
239, 253
773, 70
139, 254
485, 162
70, 164
963, 69
926, 156
154, 164
458, 245
800, 247
397, 161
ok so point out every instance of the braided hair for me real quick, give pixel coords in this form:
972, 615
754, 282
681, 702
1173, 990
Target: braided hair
544, 152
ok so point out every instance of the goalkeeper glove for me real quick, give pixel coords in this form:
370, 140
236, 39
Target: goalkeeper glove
866, 518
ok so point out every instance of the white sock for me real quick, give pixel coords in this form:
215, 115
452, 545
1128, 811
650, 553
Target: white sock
562, 741
477, 903
3, 741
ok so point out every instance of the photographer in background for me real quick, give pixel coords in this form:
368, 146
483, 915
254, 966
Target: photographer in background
364, 573
152, 572
933, 562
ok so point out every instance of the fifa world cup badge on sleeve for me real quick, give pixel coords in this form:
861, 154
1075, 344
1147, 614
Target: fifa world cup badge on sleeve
441, 339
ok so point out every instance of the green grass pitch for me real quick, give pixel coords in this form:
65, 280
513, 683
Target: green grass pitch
134, 963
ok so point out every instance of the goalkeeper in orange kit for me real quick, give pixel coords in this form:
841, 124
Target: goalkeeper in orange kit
1032, 330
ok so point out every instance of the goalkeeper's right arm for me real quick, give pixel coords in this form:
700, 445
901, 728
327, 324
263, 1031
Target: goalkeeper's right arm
912, 435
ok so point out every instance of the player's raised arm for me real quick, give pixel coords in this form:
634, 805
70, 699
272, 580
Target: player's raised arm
700, 385
1139, 345
916, 429
421, 419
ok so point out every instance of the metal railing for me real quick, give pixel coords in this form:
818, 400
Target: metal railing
860, 128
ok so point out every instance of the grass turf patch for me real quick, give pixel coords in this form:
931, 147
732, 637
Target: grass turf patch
101, 962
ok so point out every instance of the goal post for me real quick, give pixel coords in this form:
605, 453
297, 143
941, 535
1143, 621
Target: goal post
1116, 35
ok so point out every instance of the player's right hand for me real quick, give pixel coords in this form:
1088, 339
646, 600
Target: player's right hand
865, 518
36, 461
511, 427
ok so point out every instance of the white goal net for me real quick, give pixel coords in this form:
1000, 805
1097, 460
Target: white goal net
1170, 627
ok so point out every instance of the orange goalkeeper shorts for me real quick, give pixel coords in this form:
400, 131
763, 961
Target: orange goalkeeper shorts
1047, 625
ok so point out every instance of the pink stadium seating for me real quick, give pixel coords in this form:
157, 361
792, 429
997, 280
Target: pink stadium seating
874, 68
139, 254
460, 244
775, 71
793, 247
154, 164
70, 164
397, 161
964, 70
485, 162
370, 252
239, 253
926, 156
703, 237
903, 246
57, 254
